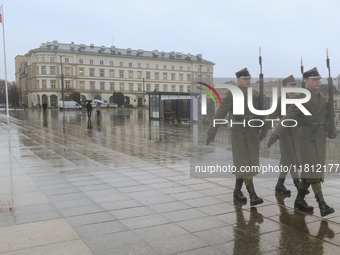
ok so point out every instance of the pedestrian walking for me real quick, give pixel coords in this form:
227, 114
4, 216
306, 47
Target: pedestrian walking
245, 140
311, 142
288, 143
98, 109
89, 109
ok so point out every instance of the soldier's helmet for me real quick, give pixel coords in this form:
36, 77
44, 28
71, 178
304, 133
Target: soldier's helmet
312, 73
289, 80
243, 74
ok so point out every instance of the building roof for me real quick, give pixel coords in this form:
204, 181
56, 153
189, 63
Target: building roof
155, 54
324, 89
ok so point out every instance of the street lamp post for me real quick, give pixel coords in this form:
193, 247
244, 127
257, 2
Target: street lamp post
143, 93
62, 82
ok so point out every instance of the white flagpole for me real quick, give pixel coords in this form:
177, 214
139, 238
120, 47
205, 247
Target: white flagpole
3, 33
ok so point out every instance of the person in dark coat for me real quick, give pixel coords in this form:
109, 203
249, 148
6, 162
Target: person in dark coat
311, 142
288, 143
89, 109
245, 140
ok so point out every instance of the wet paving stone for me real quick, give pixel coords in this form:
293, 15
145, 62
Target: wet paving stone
123, 186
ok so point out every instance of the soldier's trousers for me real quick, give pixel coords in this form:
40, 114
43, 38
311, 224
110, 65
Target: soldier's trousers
316, 186
247, 181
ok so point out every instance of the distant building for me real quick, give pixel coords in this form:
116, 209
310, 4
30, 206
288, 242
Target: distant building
96, 72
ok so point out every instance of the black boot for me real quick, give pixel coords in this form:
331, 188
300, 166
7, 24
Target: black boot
238, 195
280, 187
297, 184
254, 199
324, 208
300, 202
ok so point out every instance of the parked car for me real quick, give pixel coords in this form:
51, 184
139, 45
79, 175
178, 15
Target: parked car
104, 105
112, 105
69, 105
129, 106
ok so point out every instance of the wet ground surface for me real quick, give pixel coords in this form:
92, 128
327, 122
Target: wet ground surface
121, 185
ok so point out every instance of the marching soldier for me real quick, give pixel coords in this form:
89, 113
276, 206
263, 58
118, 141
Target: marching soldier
245, 140
288, 142
311, 142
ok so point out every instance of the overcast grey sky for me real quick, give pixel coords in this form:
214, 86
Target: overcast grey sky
227, 32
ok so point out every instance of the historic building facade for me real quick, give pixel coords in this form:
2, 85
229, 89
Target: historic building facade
97, 72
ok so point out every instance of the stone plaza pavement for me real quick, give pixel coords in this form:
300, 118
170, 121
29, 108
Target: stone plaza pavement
121, 185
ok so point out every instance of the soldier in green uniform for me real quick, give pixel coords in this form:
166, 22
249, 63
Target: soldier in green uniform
288, 142
311, 142
245, 140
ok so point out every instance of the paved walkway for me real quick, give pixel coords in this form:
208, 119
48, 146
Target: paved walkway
121, 185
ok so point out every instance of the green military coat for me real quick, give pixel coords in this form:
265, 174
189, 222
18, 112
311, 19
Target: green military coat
288, 140
311, 145
245, 141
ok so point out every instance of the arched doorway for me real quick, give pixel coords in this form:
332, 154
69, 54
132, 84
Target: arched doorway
54, 100
111, 99
44, 98
98, 97
38, 100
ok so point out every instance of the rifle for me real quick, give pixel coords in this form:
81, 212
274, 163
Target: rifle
303, 84
330, 132
261, 81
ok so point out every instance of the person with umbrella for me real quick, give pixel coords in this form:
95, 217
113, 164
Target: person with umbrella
98, 107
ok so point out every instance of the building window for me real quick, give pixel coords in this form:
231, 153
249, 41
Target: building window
91, 72
131, 86
81, 71
165, 88
208, 69
82, 85
172, 76
43, 70
139, 87
111, 63
147, 65
67, 71
66, 60
121, 74
188, 88
101, 62
121, 86
173, 88
37, 69
181, 77
181, 68
181, 88
51, 59
156, 87
165, 76
52, 84
172, 67
81, 61
156, 66
156, 76
148, 87
102, 85
44, 84
67, 84
37, 83
130, 74
188, 77
91, 62
188, 68
102, 74
112, 73
43, 59
164, 67
120, 63
139, 74
92, 85
52, 70
147, 75
139, 65
112, 86
130, 64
